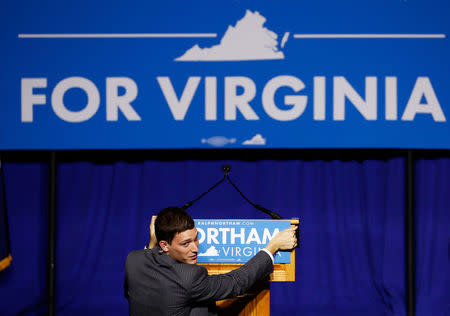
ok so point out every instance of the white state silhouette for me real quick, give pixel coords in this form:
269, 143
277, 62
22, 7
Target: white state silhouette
248, 40
255, 140
211, 252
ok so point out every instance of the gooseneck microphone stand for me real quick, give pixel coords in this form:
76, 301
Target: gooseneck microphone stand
226, 169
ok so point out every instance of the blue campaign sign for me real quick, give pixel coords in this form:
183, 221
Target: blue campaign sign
237, 241
232, 74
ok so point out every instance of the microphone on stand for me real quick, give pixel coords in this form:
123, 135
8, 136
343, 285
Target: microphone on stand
226, 169
272, 214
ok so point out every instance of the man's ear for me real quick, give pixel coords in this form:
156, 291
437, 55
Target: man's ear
163, 244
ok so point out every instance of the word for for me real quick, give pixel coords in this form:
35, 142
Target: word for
114, 101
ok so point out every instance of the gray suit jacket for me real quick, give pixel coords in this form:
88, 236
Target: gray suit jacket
156, 284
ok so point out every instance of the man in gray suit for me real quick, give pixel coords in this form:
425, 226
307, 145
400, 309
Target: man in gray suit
163, 279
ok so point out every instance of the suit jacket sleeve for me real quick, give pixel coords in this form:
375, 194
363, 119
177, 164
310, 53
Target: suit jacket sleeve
217, 287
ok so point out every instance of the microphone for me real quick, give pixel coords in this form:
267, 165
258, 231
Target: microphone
272, 214
226, 170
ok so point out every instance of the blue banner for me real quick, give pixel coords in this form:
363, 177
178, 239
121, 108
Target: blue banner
237, 241
233, 74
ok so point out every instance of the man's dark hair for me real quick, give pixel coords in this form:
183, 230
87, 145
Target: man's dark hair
170, 221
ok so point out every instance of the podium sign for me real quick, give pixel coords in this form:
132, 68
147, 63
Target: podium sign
237, 241
226, 244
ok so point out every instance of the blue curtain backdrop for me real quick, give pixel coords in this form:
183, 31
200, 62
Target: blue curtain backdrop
23, 284
5, 252
433, 236
351, 258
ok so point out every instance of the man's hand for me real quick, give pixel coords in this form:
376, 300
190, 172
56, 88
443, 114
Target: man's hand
284, 240
153, 240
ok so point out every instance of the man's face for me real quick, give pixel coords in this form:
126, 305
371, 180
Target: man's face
184, 246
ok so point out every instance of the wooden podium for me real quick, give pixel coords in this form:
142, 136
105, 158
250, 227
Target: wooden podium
256, 301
